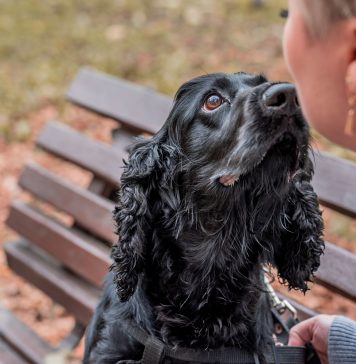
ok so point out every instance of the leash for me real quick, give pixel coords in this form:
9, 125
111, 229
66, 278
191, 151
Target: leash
282, 327
278, 309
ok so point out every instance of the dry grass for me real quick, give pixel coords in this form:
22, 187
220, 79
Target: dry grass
159, 43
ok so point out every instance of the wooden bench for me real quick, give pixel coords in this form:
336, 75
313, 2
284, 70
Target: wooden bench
69, 263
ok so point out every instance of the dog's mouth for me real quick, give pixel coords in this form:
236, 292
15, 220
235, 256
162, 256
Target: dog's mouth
285, 146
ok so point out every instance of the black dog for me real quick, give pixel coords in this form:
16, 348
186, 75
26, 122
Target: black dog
220, 190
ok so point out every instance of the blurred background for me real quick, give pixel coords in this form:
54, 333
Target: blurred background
157, 43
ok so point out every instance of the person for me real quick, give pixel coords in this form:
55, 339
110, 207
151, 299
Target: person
320, 50
333, 338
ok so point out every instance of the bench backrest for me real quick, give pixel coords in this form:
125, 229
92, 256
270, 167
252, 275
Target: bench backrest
69, 263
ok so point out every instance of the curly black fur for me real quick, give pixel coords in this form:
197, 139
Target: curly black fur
187, 266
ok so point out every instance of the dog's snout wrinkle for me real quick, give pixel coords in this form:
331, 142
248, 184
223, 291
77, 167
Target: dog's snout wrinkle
281, 97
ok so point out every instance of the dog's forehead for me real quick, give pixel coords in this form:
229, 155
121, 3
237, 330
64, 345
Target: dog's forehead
237, 81
228, 83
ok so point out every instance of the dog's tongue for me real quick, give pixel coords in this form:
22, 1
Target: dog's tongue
228, 181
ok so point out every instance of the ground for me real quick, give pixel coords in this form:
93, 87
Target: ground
158, 43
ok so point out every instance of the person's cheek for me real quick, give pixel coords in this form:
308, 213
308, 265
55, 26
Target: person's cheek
287, 46
295, 54
293, 47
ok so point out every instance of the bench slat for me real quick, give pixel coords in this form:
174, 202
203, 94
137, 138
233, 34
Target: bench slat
7, 356
76, 296
15, 333
97, 157
71, 249
58, 284
88, 209
334, 182
135, 107
335, 190
338, 271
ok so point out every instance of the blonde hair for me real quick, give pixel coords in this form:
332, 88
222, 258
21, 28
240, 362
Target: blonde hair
320, 14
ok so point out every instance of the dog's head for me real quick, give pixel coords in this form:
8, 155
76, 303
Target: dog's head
226, 126
226, 135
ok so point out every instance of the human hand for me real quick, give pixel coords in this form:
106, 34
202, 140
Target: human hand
315, 331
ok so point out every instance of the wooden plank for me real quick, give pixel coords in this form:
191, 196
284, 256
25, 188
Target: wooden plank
81, 253
335, 189
8, 356
338, 271
76, 296
22, 338
122, 138
97, 157
334, 182
88, 209
135, 107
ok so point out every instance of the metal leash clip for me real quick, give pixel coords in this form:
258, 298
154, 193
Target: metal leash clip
280, 305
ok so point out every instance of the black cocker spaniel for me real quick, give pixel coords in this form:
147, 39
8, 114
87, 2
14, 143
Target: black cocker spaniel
221, 190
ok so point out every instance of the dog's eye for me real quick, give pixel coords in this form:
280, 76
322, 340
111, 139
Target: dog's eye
212, 102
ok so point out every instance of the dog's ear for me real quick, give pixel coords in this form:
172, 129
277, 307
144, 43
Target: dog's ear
298, 256
149, 164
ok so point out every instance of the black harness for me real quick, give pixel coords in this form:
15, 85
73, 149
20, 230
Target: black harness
157, 352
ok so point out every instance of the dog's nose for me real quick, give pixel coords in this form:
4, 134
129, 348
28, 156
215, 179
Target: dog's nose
282, 96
